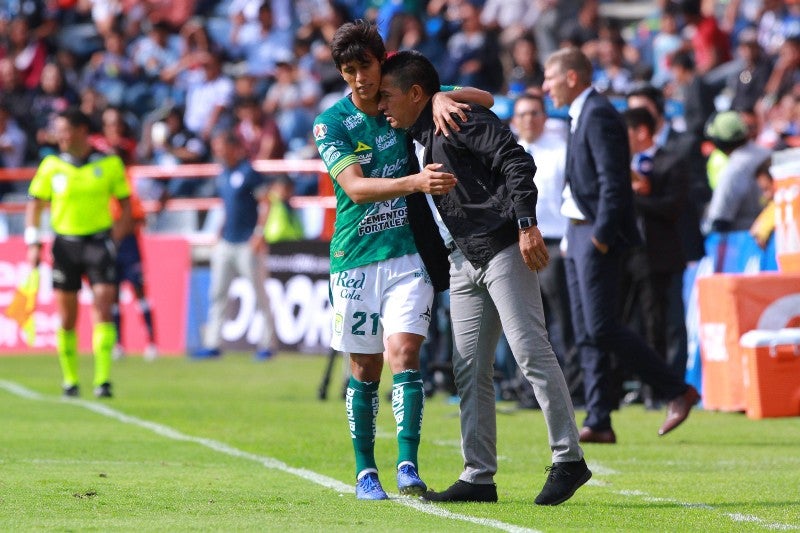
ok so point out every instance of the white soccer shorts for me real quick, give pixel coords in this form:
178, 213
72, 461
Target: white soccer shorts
374, 301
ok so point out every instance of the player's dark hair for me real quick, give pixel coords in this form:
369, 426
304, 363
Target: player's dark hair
356, 41
76, 118
650, 92
410, 67
640, 116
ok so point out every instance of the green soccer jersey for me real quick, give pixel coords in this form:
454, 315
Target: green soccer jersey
79, 191
373, 232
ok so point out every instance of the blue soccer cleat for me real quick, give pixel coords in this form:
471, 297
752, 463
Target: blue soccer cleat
369, 488
408, 481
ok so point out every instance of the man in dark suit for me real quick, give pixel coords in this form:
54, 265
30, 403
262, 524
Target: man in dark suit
598, 199
660, 189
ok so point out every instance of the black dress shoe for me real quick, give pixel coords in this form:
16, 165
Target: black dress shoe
598, 436
562, 482
461, 491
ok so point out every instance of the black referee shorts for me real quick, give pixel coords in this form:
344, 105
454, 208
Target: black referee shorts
76, 256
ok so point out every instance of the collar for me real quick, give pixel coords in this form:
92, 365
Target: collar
662, 135
576, 107
650, 152
424, 122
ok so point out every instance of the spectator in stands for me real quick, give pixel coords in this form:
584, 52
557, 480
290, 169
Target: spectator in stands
157, 54
511, 20
690, 89
764, 225
258, 131
747, 86
15, 95
292, 100
92, 104
785, 74
474, 53
736, 201
51, 98
27, 52
526, 70
408, 32
262, 46
666, 41
111, 71
115, 136
703, 36
240, 248
611, 75
209, 95
13, 141
171, 143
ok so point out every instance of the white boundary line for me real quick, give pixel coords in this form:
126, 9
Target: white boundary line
268, 462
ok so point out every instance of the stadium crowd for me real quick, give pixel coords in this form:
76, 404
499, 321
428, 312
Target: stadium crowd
178, 72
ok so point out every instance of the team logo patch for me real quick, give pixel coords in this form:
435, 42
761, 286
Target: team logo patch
361, 147
338, 322
59, 183
320, 131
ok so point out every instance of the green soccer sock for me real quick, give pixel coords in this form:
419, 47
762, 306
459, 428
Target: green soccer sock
104, 335
408, 402
67, 349
361, 404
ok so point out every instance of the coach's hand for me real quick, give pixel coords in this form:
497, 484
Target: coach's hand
533, 248
432, 181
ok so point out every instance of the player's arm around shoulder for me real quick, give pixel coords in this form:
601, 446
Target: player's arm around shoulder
363, 190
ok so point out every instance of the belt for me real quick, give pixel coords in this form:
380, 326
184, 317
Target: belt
578, 222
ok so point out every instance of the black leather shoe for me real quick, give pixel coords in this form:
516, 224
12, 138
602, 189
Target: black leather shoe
562, 482
461, 491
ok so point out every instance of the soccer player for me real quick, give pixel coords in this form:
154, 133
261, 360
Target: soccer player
78, 183
380, 290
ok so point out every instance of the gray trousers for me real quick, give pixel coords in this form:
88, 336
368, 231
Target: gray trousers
503, 296
229, 260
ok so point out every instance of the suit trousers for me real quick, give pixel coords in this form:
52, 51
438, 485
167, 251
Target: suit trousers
593, 281
227, 261
503, 295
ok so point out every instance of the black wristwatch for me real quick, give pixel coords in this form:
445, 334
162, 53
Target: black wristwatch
526, 222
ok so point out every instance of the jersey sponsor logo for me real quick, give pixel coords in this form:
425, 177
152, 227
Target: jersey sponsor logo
386, 141
59, 182
426, 316
384, 216
350, 286
338, 322
390, 170
338, 254
364, 159
330, 154
320, 130
353, 121
236, 179
361, 147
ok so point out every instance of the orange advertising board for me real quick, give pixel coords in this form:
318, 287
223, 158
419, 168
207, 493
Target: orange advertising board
731, 305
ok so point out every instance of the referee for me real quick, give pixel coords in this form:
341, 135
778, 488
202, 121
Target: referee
78, 184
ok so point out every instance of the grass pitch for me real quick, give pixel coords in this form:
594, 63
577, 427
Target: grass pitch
238, 445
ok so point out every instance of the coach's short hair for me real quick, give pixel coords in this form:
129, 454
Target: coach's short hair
410, 67
75, 117
572, 58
